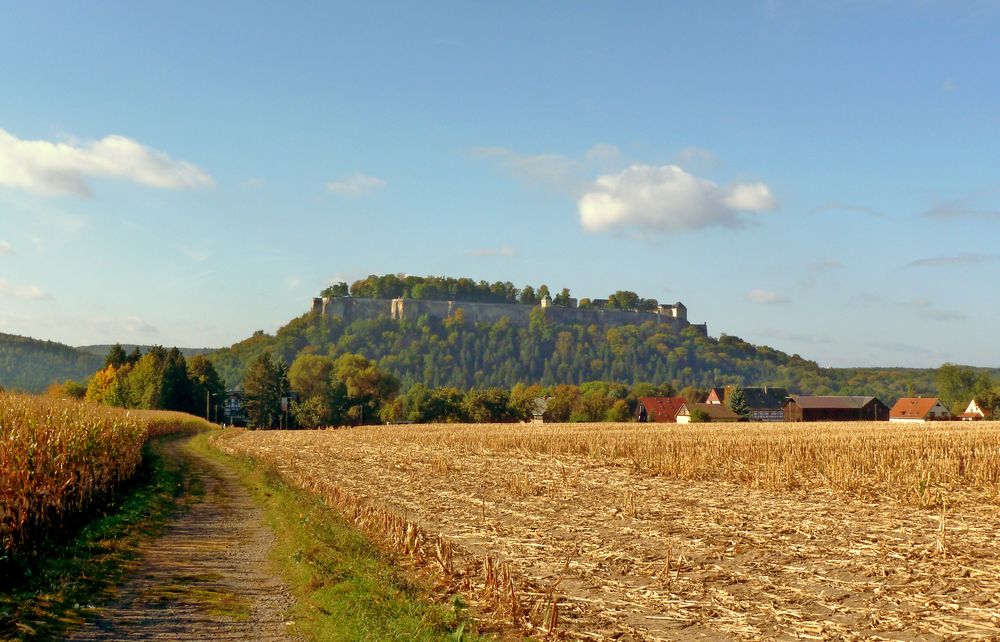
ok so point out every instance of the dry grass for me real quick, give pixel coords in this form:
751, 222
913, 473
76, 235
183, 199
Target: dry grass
57, 456
807, 531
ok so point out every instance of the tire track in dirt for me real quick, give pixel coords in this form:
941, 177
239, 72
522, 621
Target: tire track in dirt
207, 577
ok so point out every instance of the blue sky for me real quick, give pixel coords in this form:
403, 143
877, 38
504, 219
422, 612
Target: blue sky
816, 176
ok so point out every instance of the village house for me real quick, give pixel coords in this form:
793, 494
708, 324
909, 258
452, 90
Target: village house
717, 413
538, 407
918, 410
658, 409
765, 403
829, 408
975, 411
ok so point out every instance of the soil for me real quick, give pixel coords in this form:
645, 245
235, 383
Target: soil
207, 577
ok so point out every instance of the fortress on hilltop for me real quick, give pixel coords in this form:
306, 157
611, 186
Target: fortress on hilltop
354, 309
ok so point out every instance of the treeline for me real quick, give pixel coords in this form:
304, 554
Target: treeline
31, 365
441, 288
352, 390
160, 379
463, 355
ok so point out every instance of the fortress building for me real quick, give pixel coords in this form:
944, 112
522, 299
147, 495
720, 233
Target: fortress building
354, 309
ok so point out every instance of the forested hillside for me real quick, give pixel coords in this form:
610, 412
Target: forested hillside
101, 349
451, 352
31, 365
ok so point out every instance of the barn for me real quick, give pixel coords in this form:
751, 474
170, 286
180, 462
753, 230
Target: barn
832, 408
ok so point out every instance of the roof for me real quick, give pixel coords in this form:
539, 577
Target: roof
838, 402
765, 398
539, 405
983, 408
662, 408
720, 394
913, 407
714, 410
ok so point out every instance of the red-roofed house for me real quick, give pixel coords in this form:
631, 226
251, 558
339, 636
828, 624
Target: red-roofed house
658, 409
918, 410
716, 412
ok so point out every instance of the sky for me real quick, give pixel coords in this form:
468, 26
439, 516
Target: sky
820, 177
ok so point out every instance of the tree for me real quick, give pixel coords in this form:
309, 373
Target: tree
562, 299
737, 402
310, 377
619, 412
624, 300
693, 395
175, 387
489, 405
699, 416
339, 289
207, 389
957, 385
262, 391
116, 356
366, 387
527, 296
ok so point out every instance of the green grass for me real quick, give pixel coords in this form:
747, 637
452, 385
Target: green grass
345, 587
58, 587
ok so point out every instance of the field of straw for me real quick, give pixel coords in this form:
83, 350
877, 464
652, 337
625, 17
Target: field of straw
859, 531
57, 456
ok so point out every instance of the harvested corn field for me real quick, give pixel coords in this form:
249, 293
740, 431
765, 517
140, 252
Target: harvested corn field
644, 532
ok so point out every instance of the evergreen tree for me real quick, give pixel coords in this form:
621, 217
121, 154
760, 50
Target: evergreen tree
116, 356
262, 392
737, 402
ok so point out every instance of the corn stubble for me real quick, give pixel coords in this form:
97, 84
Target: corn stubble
807, 531
58, 456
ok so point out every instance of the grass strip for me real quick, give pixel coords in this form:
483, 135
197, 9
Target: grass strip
60, 586
344, 586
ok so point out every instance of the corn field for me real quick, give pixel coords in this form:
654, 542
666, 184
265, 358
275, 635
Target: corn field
854, 531
57, 456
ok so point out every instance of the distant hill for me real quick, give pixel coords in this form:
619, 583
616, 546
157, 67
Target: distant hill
31, 365
460, 353
102, 349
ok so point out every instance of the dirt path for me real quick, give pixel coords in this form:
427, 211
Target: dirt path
207, 577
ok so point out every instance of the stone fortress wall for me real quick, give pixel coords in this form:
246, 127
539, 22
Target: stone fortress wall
354, 309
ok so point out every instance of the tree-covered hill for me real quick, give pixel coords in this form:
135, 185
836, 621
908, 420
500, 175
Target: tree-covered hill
31, 365
452, 352
101, 349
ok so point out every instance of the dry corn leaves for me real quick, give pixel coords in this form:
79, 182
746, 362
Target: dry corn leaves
851, 531
56, 456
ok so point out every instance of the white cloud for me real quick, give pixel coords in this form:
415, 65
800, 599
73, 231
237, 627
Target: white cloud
968, 258
837, 206
826, 265
63, 169
928, 310
503, 250
23, 292
137, 325
195, 254
5, 249
696, 157
603, 153
356, 184
765, 297
668, 198
553, 171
